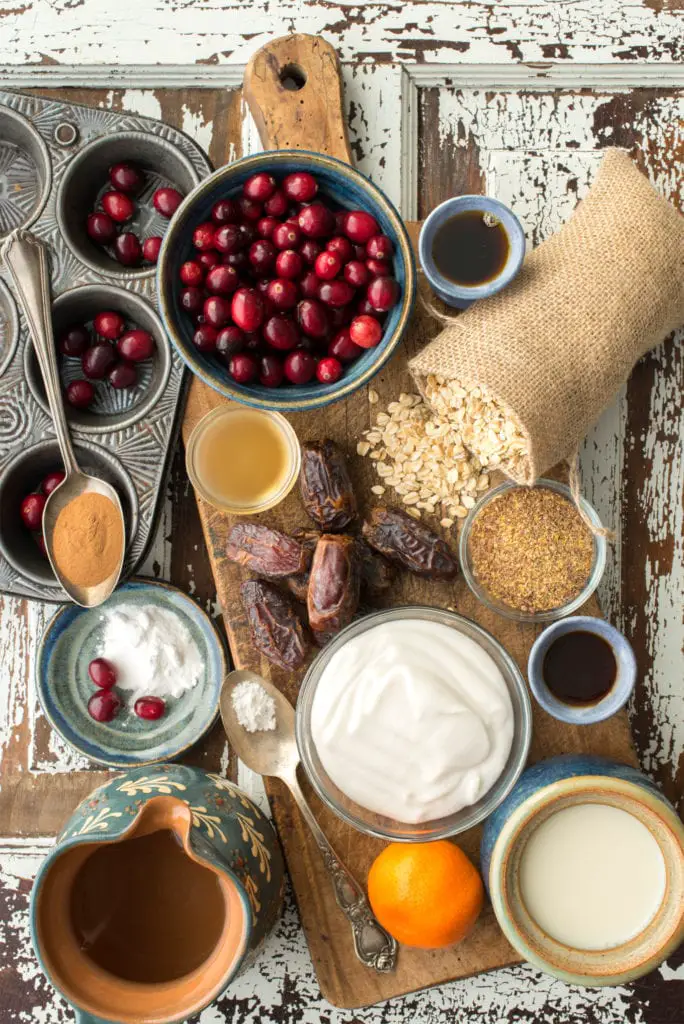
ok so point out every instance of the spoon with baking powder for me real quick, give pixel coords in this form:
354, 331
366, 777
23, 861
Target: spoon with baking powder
25, 257
274, 752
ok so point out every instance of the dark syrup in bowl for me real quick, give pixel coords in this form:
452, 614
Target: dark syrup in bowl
471, 248
579, 668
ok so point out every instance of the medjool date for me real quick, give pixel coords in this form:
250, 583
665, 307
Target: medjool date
376, 572
265, 551
276, 629
298, 585
325, 485
334, 586
409, 544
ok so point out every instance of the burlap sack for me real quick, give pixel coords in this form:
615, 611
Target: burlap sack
556, 345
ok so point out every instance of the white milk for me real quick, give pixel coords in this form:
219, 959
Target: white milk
592, 876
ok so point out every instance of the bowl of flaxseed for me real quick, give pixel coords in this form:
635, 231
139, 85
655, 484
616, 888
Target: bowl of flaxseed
531, 553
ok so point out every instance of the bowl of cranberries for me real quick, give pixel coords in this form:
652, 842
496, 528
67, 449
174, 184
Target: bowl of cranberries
286, 280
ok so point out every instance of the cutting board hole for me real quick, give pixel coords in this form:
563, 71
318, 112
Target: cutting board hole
292, 77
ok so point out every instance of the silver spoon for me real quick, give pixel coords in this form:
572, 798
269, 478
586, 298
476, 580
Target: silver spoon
274, 753
26, 259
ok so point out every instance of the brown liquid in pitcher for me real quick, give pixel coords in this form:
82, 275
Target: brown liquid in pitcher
470, 248
145, 911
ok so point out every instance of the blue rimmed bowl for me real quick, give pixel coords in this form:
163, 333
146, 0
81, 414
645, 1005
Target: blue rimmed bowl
346, 187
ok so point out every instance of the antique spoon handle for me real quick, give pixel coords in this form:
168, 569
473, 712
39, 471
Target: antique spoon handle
374, 947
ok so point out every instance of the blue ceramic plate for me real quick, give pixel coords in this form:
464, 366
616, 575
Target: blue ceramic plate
70, 642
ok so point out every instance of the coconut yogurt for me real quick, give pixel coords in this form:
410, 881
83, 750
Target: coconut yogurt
412, 720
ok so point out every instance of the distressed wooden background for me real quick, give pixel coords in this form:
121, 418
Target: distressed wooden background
515, 98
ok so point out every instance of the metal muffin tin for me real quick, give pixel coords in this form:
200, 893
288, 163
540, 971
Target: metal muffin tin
54, 159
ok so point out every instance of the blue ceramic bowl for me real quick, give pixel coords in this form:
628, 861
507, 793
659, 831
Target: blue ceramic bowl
347, 188
616, 697
462, 296
72, 639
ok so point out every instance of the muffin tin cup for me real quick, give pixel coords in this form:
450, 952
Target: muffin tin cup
113, 409
25, 172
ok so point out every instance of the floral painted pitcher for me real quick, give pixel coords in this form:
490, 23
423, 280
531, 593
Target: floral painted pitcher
219, 829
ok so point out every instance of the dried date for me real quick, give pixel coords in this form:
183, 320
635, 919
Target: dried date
276, 629
409, 544
376, 572
298, 585
325, 485
265, 551
334, 586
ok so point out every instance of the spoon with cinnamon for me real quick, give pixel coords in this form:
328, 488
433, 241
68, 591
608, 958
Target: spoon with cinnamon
83, 522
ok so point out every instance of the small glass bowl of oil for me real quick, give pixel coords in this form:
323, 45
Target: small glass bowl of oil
243, 460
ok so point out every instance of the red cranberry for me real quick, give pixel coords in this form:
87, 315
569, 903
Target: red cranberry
340, 316
262, 255
383, 293
136, 345
192, 273
300, 366
126, 178
271, 371
364, 308
266, 226
248, 309
151, 247
224, 211
243, 367
300, 186
127, 249
277, 205
281, 333
360, 226
123, 375
343, 348
52, 481
80, 393
216, 311
365, 331
316, 221
74, 341
204, 338
378, 268
360, 253
380, 247
309, 285
238, 259
335, 293
203, 237
191, 300
109, 325
227, 238
222, 280
339, 221
247, 233
149, 708
249, 209
282, 293
208, 259
329, 370
342, 247
286, 236
230, 340
97, 360
102, 673
313, 318
260, 186
327, 265
356, 273
101, 228
104, 706
31, 511
289, 264
118, 206
253, 341
309, 250
166, 201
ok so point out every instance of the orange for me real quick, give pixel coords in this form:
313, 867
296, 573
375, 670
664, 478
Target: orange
425, 894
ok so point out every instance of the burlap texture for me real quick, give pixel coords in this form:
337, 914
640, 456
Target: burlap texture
556, 345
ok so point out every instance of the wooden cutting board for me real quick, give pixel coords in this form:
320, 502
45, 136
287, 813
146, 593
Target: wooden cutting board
311, 118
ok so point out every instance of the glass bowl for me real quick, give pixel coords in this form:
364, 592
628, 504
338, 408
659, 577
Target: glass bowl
597, 570
378, 825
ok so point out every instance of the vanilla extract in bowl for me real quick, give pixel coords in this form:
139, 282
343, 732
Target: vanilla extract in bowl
471, 248
580, 667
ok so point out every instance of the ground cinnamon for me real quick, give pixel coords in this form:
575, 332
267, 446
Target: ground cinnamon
88, 539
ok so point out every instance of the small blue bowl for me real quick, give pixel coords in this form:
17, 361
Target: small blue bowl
347, 188
72, 639
462, 296
616, 697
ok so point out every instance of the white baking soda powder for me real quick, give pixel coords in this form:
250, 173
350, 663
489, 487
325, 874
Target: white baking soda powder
255, 709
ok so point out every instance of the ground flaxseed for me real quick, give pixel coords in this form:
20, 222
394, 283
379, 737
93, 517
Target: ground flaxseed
530, 550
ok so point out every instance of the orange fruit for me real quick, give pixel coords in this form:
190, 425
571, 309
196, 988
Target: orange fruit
425, 894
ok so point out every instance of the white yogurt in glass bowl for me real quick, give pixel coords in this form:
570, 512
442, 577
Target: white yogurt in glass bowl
413, 723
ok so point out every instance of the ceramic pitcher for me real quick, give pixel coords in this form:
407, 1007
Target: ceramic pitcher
220, 829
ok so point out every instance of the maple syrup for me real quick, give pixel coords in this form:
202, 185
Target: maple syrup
471, 248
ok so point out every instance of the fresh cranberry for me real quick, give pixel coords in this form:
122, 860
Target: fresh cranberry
230, 340
250, 209
216, 311
365, 331
149, 708
118, 206
281, 333
151, 247
104, 706
192, 273
378, 268
80, 393
31, 511
271, 372
300, 366
283, 293
286, 236
266, 226
329, 370
40, 541
74, 341
191, 299
300, 186
102, 673
335, 293
342, 247
277, 205
356, 273
262, 255
383, 293
97, 360
204, 338
224, 211
52, 481
123, 375
327, 265
228, 238
289, 264
316, 221
136, 345
126, 178
310, 345
340, 316
127, 249
309, 250
253, 341
380, 247
313, 318
364, 308
101, 228
222, 280
166, 201
360, 253
248, 309
238, 260
109, 325
309, 285
343, 348
243, 367
360, 226
260, 186
208, 259
203, 237
339, 221
247, 233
